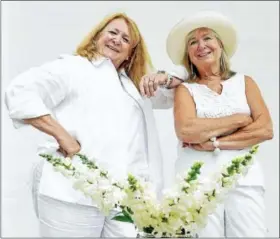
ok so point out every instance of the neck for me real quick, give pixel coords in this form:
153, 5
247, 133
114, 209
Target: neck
209, 71
117, 64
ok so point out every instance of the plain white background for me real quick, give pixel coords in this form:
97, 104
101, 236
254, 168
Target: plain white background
36, 32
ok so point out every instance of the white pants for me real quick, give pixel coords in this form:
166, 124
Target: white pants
242, 215
63, 219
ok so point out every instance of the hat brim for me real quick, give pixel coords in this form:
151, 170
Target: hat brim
176, 40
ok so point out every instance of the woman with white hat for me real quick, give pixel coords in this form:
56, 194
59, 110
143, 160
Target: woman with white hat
219, 114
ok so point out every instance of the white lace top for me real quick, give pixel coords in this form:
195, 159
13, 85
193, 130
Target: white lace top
210, 104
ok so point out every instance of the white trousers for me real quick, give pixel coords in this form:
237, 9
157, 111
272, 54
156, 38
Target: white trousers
242, 215
63, 219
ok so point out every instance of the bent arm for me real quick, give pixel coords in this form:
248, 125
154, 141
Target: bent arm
259, 130
35, 92
164, 98
68, 145
48, 125
195, 130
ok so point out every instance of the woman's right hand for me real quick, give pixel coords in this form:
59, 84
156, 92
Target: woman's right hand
68, 146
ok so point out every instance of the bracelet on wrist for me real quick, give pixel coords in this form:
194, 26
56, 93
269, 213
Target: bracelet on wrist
216, 145
169, 80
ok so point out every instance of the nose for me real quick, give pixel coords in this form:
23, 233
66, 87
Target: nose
201, 44
117, 39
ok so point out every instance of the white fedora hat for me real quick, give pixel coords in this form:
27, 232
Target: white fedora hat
175, 44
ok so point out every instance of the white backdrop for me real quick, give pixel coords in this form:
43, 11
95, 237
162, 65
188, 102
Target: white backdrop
36, 32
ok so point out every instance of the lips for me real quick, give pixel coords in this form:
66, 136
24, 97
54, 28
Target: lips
203, 54
113, 48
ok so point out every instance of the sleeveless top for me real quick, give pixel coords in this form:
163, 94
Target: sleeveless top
210, 104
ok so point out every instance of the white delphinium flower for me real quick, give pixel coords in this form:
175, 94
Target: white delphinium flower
220, 194
61, 169
174, 222
93, 176
201, 219
184, 209
103, 184
198, 197
80, 183
244, 170
210, 206
118, 194
89, 189
170, 198
66, 161
81, 168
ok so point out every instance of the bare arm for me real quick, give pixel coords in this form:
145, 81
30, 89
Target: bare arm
68, 145
259, 130
191, 129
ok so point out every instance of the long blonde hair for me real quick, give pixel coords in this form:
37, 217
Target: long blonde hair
139, 63
225, 71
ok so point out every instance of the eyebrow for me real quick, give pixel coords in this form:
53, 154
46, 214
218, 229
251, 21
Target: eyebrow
116, 29
193, 38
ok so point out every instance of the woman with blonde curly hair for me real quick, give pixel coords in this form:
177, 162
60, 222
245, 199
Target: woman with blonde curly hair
91, 102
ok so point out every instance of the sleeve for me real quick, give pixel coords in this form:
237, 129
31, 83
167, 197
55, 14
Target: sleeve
36, 91
180, 72
163, 98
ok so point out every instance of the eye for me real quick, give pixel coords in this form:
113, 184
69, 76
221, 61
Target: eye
207, 38
125, 40
192, 42
112, 32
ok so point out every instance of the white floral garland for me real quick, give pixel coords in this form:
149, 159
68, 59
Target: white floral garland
183, 210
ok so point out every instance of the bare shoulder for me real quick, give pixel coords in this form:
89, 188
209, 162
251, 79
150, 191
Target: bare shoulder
249, 80
184, 87
250, 83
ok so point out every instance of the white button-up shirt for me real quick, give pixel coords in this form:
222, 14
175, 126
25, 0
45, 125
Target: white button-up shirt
101, 108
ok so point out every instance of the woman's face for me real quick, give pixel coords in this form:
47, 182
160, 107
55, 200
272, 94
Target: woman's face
114, 42
204, 48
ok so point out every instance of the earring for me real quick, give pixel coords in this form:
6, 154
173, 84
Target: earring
192, 71
222, 63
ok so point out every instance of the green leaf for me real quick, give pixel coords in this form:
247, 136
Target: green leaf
126, 213
122, 219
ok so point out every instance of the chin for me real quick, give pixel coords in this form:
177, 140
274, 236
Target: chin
109, 56
208, 61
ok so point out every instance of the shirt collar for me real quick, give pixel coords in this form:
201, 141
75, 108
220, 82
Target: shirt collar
97, 62
100, 60
123, 73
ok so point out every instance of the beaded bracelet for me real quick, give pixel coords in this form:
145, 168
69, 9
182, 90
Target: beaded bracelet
216, 144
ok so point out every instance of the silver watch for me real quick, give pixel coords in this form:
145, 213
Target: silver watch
169, 79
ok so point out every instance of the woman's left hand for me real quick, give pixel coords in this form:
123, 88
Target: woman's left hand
149, 83
206, 146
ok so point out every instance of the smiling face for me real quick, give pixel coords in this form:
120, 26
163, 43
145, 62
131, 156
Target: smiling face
114, 42
204, 48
